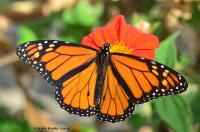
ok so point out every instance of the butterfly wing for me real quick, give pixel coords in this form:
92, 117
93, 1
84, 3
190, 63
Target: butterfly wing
146, 79
116, 104
69, 67
76, 94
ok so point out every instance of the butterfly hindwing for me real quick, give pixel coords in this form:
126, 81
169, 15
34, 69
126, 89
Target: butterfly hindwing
71, 68
76, 94
115, 104
146, 79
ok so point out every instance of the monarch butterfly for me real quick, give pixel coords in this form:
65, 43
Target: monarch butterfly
90, 81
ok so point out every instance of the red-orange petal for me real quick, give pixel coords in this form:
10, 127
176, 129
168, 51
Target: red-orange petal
143, 44
142, 41
148, 54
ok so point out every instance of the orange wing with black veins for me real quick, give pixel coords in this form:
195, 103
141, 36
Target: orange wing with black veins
70, 67
146, 79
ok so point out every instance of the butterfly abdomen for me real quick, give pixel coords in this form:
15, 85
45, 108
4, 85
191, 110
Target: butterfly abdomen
102, 62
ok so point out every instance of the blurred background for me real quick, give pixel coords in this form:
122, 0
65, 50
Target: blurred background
27, 102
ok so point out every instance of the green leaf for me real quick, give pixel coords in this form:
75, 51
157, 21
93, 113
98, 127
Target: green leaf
138, 17
194, 20
14, 126
68, 17
88, 128
26, 34
175, 112
196, 110
138, 120
70, 38
155, 26
193, 99
185, 60
12, 123
167, 53
87, 14
84, 14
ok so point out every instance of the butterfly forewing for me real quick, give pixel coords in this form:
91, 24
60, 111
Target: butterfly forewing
55, 59
146, 79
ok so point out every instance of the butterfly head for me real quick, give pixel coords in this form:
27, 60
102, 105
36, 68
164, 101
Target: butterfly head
106, 46
105, 49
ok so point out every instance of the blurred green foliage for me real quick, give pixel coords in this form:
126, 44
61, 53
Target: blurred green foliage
26, 33
71, 25
12, 124
167, 52
173, 110
138, 120
74, 16
87, 128
155, 24
194, 21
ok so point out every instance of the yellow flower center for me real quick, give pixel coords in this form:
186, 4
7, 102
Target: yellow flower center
119, 47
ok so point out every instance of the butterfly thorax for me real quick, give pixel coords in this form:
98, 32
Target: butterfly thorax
102, 62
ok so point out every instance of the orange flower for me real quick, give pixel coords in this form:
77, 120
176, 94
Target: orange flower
123, 38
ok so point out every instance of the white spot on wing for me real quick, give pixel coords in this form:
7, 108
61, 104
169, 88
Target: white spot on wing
55, 41
153, 62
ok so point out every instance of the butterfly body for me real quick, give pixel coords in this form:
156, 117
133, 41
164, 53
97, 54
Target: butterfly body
89, 81
102, 62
